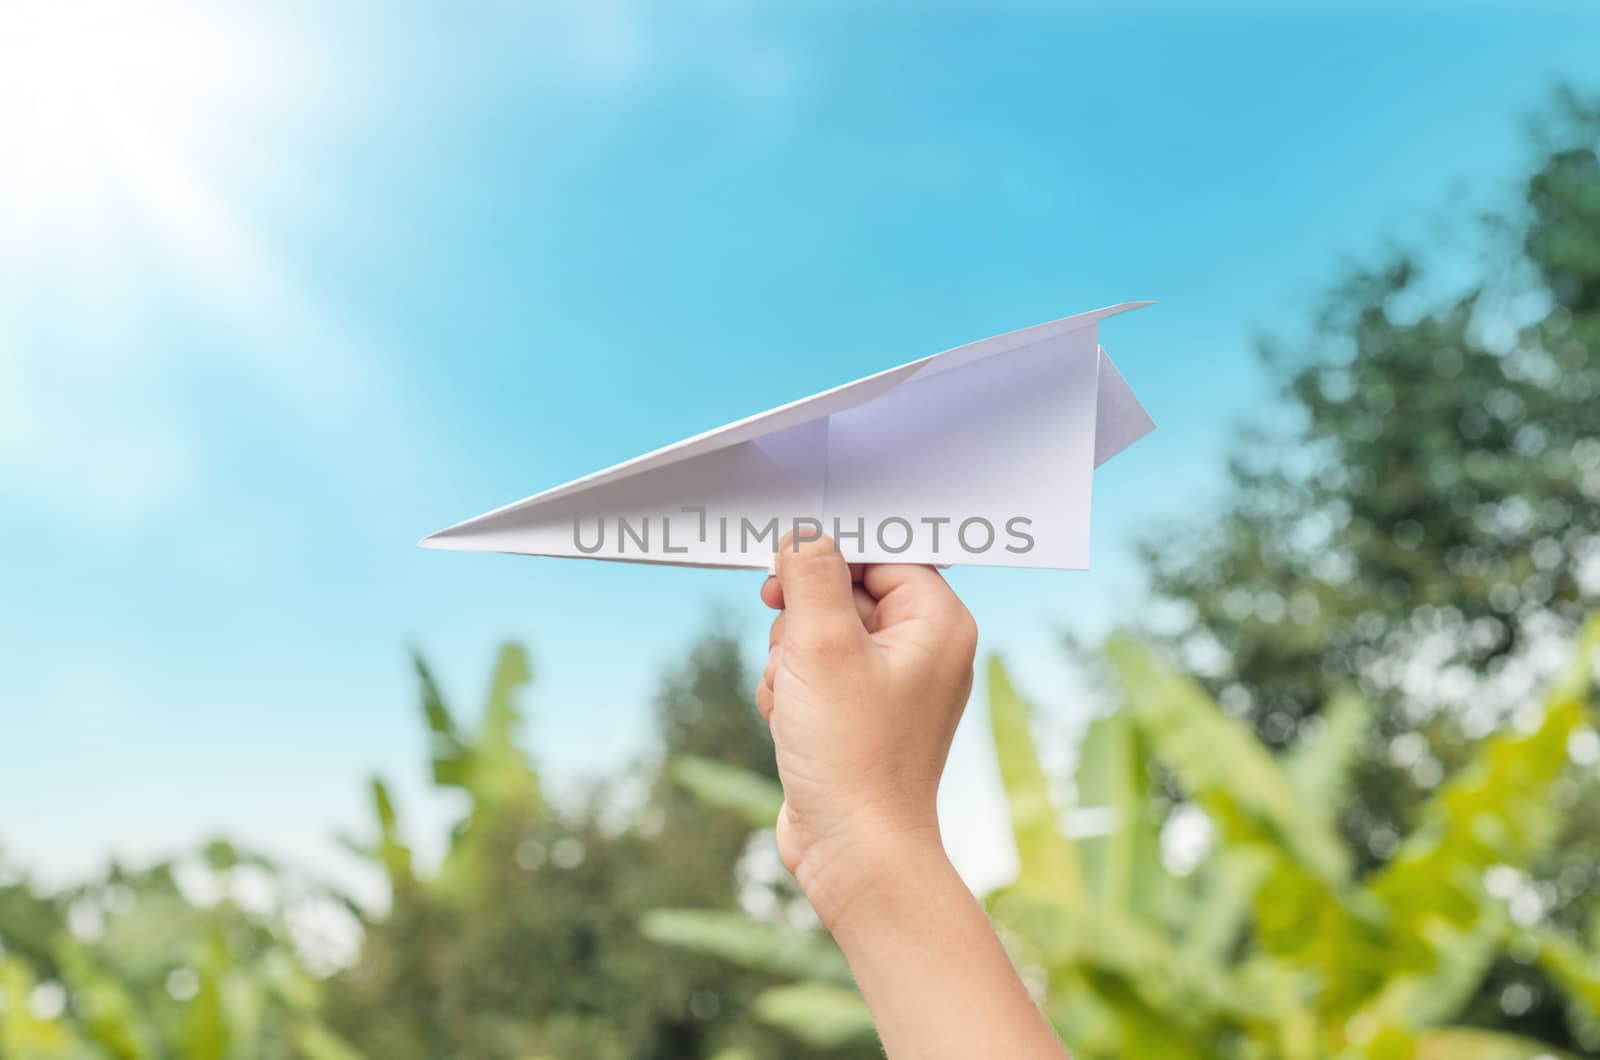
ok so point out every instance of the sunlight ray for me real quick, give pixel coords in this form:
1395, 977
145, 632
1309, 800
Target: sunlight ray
121, 130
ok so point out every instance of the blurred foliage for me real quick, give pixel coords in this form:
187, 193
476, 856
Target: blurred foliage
1423, 522
1270, 946
198, 958
523, 942
1436, 492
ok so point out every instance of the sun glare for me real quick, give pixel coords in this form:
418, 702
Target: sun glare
142, 145
154, 127
98, 98
51, 71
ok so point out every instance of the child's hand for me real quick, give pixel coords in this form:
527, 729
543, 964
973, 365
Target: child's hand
869, 671
868, 675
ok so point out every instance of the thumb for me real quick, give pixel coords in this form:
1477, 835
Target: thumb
817, 592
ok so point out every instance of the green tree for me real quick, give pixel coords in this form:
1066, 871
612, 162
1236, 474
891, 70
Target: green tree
1426, 527
704, 710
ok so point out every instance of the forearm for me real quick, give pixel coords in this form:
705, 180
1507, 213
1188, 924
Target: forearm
930, 966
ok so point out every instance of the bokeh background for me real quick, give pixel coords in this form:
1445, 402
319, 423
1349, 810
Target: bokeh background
285, 287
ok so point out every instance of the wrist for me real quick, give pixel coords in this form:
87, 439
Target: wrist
852, 874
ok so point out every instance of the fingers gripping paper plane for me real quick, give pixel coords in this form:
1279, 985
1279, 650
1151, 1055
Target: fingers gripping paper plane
984, 454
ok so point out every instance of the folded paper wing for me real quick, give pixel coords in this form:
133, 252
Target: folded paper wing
983, 454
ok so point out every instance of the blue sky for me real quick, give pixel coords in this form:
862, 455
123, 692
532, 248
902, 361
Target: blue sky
281, 291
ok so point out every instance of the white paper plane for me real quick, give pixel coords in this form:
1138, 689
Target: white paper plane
983, 454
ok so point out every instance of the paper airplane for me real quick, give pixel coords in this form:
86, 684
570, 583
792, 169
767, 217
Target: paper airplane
983, 454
